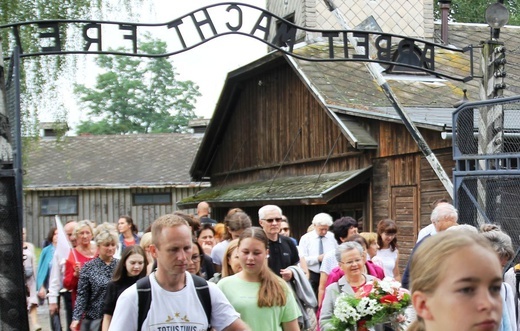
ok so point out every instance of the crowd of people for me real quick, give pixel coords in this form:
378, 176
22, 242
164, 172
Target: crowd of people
192, 272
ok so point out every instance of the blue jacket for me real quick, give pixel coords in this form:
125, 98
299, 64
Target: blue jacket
44, 267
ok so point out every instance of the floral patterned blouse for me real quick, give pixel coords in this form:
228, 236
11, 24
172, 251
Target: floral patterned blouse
93, 280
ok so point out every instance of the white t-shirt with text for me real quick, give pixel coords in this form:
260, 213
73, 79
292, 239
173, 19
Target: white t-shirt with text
179, 310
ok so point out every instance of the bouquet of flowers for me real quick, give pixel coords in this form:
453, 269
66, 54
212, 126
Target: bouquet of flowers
376, 302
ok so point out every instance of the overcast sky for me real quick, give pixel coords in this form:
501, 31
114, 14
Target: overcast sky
207, 65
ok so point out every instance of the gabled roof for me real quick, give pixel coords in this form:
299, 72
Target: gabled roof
347, 90
112, 161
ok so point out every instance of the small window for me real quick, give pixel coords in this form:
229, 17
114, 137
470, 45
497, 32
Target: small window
152, 199
59, 206
49, 133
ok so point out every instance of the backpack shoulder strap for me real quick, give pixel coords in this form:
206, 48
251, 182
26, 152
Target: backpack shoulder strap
202, 288
144, 299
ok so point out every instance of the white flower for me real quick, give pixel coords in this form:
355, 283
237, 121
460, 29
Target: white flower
368, 307
389, 285
343, 310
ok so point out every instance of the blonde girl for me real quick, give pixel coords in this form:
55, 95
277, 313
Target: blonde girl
263, 299
456, 280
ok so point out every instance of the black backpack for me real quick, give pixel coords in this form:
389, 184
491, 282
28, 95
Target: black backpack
144, 294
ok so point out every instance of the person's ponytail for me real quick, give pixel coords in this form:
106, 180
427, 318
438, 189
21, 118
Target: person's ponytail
271, 292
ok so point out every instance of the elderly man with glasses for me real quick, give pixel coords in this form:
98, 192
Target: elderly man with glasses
282, 251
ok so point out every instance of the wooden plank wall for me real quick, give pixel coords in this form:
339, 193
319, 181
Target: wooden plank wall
288, 126
103, 205
394, 139
431, 188
403, 178
410, 183
404, 187
404, 211
380, 190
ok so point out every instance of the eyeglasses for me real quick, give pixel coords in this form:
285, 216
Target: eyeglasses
271, 220
196, 258
285, 229
350, 263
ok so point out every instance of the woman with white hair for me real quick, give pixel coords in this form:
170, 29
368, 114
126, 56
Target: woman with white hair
351, 258
93, 281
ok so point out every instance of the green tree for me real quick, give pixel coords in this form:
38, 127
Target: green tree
473, 11
137, 95
39, 81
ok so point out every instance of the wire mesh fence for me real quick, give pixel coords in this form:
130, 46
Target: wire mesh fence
491, 199
486, 150
488, 130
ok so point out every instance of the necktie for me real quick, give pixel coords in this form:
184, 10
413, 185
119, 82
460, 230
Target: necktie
321, 247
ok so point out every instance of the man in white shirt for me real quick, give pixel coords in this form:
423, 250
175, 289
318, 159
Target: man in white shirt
429, 230
174, 300
426, 231
443, 217
314, 245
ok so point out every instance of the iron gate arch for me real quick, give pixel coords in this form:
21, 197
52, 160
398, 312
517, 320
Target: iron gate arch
467, 174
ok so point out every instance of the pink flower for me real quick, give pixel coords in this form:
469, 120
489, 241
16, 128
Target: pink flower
364, 290
402, 292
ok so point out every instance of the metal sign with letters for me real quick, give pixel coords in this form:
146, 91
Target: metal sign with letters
212, 21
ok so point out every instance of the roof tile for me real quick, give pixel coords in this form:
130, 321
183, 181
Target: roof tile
112, 161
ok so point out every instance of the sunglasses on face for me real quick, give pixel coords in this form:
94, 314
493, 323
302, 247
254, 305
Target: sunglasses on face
271, 220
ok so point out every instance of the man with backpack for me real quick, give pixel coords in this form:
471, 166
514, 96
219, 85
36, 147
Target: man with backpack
170, 298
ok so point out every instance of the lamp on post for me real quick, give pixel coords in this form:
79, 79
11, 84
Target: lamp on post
491, 118
493, 53
497, 16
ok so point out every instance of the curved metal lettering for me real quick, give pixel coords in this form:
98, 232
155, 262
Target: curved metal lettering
210, 22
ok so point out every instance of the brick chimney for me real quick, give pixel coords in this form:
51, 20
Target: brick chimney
445, 12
